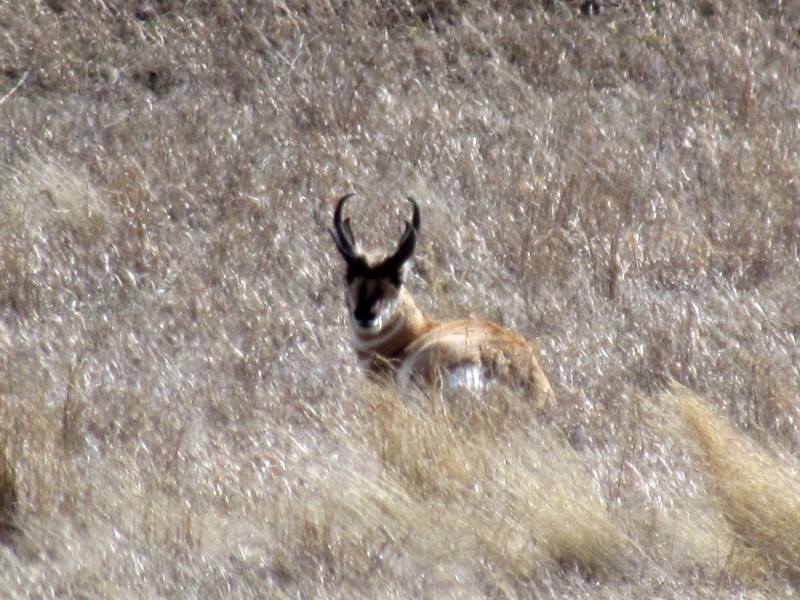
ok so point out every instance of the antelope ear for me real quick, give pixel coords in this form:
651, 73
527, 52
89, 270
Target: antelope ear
392, 270
405, 248
398, 278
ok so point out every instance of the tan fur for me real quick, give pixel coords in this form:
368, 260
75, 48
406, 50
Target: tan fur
426, 350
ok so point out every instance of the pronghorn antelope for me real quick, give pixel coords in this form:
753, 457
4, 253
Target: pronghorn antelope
392, 337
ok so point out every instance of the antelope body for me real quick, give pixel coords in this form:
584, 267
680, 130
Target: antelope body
392, 337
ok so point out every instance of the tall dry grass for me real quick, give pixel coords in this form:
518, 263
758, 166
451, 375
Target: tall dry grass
180, 412
758, 494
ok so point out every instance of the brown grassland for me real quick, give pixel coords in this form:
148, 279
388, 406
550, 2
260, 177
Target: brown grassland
181, 414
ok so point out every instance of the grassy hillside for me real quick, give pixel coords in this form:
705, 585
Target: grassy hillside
180, 411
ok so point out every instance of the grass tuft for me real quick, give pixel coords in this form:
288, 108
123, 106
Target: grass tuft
758, 494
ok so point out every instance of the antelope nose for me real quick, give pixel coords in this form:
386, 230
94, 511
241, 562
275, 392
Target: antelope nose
364, 323
364, 317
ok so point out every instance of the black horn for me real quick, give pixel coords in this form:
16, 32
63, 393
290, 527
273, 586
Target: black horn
341, 232
405, 248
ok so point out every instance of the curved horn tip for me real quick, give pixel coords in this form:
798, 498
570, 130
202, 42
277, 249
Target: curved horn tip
343, 235
337, 214
415, 218
340, 202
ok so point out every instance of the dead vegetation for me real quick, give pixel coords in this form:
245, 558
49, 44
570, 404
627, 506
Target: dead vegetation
758, 494
180, 412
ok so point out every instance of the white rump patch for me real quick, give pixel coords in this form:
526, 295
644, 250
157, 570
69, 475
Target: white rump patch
469, 376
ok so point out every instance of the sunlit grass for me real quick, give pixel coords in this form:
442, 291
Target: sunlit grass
180, 411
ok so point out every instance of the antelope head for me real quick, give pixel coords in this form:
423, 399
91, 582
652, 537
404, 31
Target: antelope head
373, 287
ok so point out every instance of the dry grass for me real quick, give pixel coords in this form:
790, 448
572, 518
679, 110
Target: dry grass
758, 494
180, 413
